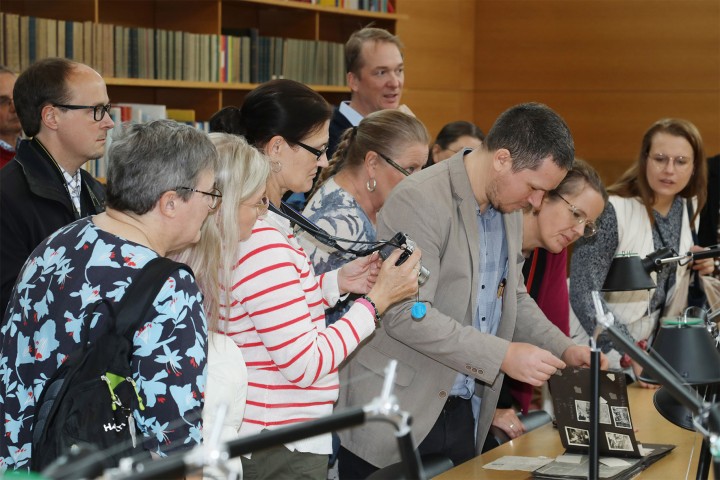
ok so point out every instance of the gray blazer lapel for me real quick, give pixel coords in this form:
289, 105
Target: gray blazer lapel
467, 209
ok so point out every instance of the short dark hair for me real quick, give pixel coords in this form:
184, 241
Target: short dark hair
42, 83
353, 47
532, 132
282, 107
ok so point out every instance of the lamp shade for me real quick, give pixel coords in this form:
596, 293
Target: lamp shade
689, 349
672, 411
675, 412
627, 273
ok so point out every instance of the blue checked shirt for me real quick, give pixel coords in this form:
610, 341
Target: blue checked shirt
491, 284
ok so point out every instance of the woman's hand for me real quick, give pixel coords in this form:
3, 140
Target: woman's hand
706, 266
506, 420
395, 283
637, 370
359, 275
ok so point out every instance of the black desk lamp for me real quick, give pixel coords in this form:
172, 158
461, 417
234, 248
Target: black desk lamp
683, 346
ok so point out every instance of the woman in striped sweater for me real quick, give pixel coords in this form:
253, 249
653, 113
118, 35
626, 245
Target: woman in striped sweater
277, 304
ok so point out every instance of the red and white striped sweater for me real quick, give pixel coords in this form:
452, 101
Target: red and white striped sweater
278, 320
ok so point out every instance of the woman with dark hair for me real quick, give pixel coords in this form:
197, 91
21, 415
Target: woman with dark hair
277, 303
452, 138
655, 204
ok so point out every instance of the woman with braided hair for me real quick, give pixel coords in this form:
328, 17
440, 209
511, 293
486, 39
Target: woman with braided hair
370, 160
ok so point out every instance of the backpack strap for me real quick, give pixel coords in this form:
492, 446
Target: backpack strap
142, 291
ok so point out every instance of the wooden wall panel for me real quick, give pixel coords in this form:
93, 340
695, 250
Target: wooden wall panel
437, 107
608, 127
610, 67
439, 38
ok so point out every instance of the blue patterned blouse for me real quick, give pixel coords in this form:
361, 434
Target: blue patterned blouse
65, 275
336, 211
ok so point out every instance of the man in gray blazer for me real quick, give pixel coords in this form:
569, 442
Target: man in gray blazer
480, 324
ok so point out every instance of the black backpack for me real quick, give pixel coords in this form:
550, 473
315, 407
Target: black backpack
90, 399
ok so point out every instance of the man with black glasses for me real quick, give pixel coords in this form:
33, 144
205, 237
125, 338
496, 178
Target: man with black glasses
63, 109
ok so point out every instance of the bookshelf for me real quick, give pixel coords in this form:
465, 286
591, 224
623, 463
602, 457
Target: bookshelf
287, 19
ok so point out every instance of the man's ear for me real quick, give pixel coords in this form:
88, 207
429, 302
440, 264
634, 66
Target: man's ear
352, 81
168, 204
502, 160
49, 117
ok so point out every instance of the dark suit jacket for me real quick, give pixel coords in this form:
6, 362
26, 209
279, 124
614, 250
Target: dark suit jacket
33, 204
707, 231
437, 208
338, 124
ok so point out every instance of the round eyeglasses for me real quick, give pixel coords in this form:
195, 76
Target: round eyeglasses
661, 161
99, 111
214, 196
581, 218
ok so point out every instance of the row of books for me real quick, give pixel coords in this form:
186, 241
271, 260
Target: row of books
384, 6
235, 56
123, 113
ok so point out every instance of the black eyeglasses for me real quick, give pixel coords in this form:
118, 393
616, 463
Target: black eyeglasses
394, 165
214, 195
313, 150
99, 111
581, 218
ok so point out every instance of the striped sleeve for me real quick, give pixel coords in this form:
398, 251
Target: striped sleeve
277, 288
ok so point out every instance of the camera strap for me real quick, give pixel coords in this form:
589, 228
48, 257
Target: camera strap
297, 218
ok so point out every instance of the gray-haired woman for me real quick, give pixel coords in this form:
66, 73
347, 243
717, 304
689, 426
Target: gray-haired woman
160, 189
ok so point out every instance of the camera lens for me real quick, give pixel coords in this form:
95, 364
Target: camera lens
423, 275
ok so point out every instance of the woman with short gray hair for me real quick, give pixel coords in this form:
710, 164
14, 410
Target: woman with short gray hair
160, 190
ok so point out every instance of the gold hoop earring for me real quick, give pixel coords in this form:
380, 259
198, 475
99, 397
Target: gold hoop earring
371, 185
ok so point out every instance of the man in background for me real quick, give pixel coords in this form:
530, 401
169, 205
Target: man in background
375, 75
63, 108
10, 128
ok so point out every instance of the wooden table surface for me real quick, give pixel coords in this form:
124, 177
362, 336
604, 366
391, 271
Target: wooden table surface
650, 427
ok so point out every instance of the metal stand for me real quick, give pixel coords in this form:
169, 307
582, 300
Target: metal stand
706, 416
594, 456
382, 408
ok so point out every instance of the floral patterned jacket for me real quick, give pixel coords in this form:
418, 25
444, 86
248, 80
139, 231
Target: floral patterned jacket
63, 278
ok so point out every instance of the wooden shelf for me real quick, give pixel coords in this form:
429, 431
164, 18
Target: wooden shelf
144, 82
269, 18
325, 9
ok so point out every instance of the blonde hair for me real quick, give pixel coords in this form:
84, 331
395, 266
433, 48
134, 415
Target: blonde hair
386, 131
242, 171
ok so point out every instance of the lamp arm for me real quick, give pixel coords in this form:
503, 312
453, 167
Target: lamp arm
383, 408
688, 397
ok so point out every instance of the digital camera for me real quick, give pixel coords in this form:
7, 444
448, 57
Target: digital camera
400, 240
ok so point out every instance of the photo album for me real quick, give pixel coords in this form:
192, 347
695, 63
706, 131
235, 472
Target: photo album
621, 456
